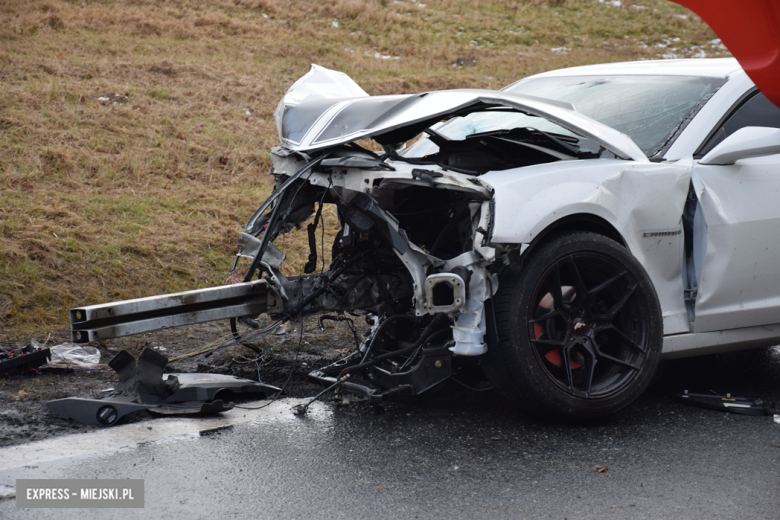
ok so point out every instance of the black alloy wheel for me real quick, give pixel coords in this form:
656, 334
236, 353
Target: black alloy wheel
579, 329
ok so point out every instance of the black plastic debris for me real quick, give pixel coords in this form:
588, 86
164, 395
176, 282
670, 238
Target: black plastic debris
726, 403
22, 359
143, 386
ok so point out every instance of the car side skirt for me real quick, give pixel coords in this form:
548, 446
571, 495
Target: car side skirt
703, 343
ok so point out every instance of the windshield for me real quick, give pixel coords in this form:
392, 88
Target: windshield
652, 110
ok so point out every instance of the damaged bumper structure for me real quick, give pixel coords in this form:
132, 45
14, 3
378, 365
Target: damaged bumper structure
556, 232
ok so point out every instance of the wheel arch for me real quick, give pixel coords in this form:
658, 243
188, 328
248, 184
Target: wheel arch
577, 222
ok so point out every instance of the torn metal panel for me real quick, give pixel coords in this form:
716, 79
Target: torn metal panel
310, 123
249, 247
319, 85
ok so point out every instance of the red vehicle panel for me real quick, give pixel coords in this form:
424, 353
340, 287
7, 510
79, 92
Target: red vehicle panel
751, 31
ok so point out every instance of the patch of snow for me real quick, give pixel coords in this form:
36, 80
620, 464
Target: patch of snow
717, 44
560, 49
7, 491
382, 56
335, 24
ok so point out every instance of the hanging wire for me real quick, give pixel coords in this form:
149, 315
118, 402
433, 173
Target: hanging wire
228, 341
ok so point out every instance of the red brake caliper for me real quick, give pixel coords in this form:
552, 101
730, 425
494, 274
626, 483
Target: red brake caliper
554, 356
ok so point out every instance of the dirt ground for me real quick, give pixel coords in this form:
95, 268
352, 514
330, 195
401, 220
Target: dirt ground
24, 416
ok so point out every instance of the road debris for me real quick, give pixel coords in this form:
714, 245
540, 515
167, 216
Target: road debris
72, 354
143, 386
726, 403
301, 409
24, 359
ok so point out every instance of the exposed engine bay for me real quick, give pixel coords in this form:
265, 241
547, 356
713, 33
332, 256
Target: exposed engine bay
411, 247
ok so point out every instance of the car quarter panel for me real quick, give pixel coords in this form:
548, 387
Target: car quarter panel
643, 201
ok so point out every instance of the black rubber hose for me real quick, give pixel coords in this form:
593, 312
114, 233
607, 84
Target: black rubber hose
473, 389
264, 242
423, 338
286, 184
379, 329
237, 336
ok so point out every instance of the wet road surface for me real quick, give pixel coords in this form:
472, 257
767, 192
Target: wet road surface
460, 456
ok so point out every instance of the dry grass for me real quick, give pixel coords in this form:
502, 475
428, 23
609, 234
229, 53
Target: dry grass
134, 134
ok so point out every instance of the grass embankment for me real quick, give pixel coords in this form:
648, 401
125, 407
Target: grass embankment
134, 135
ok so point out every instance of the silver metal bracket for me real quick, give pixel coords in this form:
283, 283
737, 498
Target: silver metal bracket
128, 317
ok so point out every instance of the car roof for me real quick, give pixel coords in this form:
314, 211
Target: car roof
704, 67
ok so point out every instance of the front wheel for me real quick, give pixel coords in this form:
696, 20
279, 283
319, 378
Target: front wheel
578, 330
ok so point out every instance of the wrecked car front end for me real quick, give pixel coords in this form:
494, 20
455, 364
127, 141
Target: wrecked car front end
415, 250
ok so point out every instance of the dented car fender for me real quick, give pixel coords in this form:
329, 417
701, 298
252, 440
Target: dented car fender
643, 202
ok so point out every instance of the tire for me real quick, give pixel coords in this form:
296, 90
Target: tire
577, 331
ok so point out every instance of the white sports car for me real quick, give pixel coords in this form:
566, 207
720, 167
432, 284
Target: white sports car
566, 233
570, 230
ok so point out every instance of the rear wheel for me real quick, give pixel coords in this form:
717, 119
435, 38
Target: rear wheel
579, 330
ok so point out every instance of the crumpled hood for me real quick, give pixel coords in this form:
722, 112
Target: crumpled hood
326, 108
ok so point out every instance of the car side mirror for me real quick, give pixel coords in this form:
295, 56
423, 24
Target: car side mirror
750, 141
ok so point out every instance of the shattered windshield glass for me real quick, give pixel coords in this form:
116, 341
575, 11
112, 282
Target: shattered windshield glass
649, 109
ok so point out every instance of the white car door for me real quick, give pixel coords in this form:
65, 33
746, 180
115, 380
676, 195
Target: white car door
737, 185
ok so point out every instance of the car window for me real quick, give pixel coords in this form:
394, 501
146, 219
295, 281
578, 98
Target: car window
650, 109
461, 127
755, 111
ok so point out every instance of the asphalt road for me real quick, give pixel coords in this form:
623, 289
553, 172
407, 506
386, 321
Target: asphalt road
458, 456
